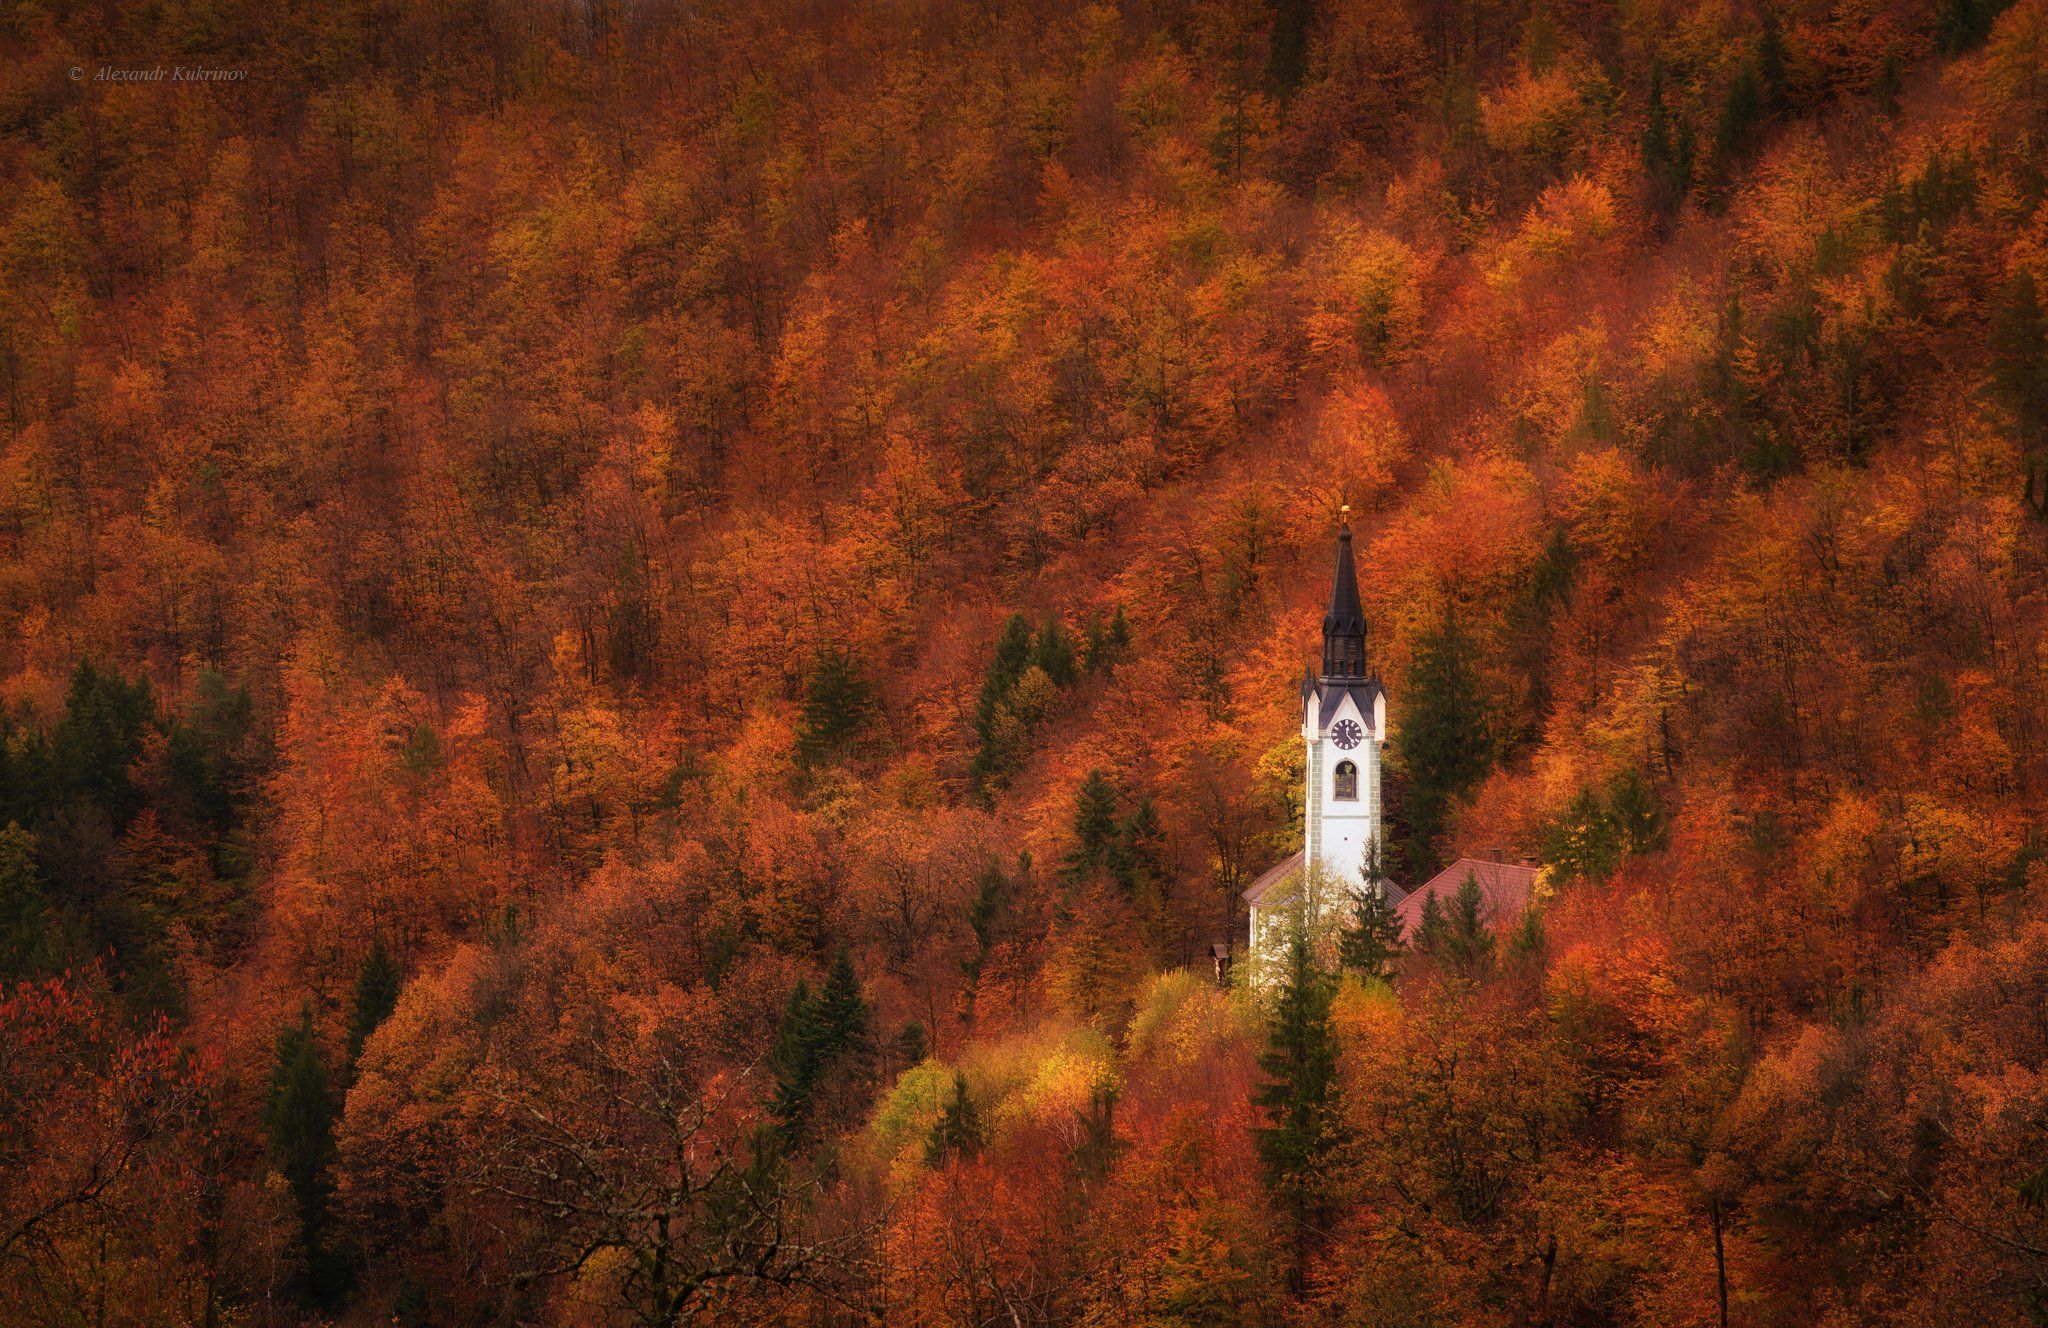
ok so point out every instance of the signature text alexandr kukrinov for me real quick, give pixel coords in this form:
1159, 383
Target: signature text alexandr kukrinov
160, 74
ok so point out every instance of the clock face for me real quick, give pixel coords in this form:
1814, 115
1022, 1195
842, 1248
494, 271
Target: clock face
1346, 734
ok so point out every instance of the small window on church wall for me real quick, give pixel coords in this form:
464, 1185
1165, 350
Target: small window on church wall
1347, 781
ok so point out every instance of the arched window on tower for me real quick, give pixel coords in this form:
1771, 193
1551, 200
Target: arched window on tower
1346, 787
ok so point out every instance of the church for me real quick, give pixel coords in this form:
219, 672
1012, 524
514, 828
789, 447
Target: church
1343, 731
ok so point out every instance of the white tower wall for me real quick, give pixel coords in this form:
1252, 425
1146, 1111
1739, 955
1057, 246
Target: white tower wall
1341, 829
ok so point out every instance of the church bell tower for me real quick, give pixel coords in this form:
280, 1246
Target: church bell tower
1343, 726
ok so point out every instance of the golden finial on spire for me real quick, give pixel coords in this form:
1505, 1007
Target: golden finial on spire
1344, 511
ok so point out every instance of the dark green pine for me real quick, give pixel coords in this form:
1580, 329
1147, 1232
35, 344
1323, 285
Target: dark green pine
1304, 1127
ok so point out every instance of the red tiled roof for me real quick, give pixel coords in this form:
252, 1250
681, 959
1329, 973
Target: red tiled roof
1506, 889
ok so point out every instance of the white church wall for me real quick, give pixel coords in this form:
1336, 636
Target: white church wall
1313, 900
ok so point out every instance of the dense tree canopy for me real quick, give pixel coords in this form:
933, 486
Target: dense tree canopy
643, 645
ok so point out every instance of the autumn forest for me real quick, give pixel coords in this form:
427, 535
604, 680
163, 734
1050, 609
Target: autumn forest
645, 648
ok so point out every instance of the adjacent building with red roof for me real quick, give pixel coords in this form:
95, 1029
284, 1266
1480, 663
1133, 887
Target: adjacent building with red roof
1504, 887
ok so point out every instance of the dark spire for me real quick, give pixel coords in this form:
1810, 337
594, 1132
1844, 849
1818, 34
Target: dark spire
1344, 624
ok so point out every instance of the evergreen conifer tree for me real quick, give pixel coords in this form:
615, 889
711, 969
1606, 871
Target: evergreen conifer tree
1005, 667
1445, 741
1742, 110
1592, 835
842, 1013
796, 1059
838, 700
1685, 151
1141, 851
299, 1120
99, 738
376, 996
24, 914
1000, 734
1096, 1152
1961, 24
1582, 840
910, 1045
1467, 942
1891, 81
1106, 643
823, 1049
1667, 155
2018, 342
1370, 941
1053, 651
1304, 1120
1429, 929
958, 1131
1633, 809
1096, 828
1770, 64
203, 752
985, 917
1287, 46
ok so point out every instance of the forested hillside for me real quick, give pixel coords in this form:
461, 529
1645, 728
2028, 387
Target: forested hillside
643, 644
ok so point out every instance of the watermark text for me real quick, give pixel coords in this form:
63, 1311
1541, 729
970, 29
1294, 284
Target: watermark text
157, 74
